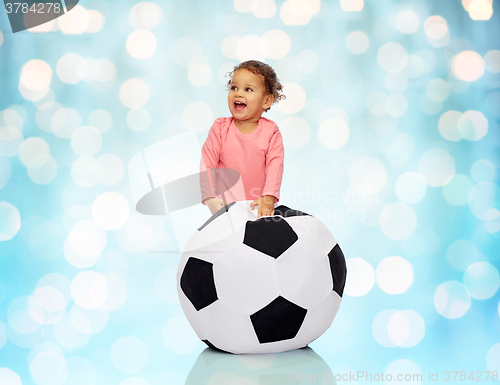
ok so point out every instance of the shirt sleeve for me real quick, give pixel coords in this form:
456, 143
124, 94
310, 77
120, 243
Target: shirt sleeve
275, 158
210, 155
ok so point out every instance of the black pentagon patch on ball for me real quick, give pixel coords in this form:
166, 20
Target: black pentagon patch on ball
212, 346
278, 321
338, 269
197, 283
287, 211
269, 235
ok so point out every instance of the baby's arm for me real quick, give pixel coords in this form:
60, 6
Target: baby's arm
275, 158
210, 154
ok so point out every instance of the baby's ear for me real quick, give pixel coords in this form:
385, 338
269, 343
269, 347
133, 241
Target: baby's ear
268, 101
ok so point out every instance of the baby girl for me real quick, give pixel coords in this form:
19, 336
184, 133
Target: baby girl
246, 142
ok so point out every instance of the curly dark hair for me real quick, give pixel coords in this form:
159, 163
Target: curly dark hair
271, 81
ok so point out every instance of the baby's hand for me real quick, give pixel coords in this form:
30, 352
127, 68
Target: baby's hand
215, 204
266, 205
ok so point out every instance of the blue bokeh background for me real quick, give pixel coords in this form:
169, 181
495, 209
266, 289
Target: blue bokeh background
391, 135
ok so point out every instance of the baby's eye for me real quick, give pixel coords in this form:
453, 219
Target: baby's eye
233, 87
249, 89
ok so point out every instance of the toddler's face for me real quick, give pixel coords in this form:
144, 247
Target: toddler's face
247, 98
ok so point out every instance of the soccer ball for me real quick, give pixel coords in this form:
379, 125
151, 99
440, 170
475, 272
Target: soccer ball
265, 285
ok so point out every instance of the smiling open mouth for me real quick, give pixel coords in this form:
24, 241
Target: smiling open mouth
239, 106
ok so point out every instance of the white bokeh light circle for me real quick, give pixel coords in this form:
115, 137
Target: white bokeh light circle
263, 8
472, 125
357, 42
47, 305
86, 171
10, 221
71, 68
392, 57
8, 376
482, 280
146, 15
435, 27
251, 47
457, 191
178, 336
406, 328
199, 75
361, 277
291, 15
65, 122
44, 174
49, 367
333, 133
437, 89
492, 61
75, 22
398, 221
86, 141
19, 316
437, 167
36, 75
352, 5
277, 43
83, 247
448, 125
468, 66
367, 175
96, 21
410, 187
197, 116
493, 358
134, 93
89, 289
452, 299
380, 328
404, 369
483, 170
141, 44
394, 275
129, 354
396, 105
462, 253
34, 152
482, 198
101, 120
407, 21
111, 169
110, 210
11, 140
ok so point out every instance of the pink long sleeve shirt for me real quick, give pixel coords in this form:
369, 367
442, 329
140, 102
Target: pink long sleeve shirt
258, 157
